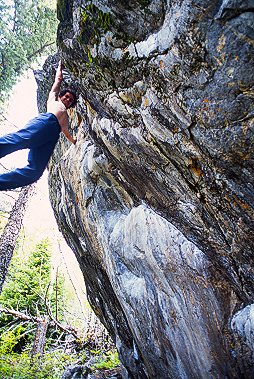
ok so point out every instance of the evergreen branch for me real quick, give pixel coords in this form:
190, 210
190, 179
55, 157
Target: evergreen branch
39, 51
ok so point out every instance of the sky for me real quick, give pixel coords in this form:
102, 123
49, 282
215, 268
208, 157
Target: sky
22, 107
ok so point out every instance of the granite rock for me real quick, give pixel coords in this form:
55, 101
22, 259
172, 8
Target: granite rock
156, 198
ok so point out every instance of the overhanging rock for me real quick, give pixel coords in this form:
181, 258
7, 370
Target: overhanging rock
156, 198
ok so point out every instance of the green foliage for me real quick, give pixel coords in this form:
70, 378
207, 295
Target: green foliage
98, 19
93, 24
28, 289
27, 281
27, 31
23, 366
50, 366
29, 286
108, 361
9, 340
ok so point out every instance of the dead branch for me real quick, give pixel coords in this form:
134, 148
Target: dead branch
53, 322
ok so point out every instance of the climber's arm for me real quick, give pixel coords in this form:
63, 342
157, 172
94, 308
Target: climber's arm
58, 79
65, 130
69, 137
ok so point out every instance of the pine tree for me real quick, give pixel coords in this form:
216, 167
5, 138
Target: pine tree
29, 293
27, 31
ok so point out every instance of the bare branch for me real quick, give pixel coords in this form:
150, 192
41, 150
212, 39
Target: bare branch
3, 166
20, 315
37, 52
70, 278
53, 323
9, 122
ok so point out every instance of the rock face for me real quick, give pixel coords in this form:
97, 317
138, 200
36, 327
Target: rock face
156, 198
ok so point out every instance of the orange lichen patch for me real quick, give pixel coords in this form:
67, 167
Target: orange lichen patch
109, 39
162, 64
76, 199
146, 102
227, 198
194, 166
237, 202
196, 171
205, 101
243, 204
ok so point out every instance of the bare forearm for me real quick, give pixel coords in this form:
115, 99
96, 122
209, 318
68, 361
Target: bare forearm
58, 79
69, 137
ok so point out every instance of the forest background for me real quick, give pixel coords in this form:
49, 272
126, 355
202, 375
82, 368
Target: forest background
46, 323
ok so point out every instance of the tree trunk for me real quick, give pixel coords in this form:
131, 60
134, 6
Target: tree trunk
11, 231
40, 337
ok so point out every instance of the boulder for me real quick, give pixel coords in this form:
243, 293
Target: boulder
156, 198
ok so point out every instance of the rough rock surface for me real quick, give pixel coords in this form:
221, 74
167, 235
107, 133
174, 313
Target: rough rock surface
156, 198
